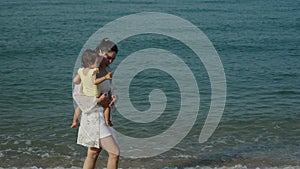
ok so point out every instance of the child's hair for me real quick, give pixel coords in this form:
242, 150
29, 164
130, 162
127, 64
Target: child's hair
88, 57
107, 45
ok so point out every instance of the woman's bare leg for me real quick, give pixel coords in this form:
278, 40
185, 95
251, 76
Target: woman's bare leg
109, 144
113, 161
91, 158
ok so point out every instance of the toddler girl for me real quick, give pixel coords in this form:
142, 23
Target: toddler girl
87, 76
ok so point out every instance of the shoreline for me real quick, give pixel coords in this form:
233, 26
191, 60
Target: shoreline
151, 163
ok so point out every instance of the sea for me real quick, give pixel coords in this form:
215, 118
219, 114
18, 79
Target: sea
258, 44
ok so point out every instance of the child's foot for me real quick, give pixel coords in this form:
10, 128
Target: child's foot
108, 123
73, 125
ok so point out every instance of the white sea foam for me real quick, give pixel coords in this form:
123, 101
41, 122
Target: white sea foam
184, 156
45, 155
28, 142
239, 166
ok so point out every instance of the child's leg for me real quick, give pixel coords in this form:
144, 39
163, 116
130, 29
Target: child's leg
106, 112
76, 117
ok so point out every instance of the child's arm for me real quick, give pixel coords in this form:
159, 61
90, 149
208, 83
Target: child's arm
99, 80
76, 79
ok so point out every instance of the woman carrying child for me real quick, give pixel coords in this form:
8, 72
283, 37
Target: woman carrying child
93, 132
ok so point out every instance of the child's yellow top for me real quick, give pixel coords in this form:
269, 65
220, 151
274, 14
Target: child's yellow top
88, 86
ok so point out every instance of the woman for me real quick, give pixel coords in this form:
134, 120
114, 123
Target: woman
93, 132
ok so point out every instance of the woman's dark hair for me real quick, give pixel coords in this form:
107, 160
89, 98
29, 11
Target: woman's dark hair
88, 57
106, 45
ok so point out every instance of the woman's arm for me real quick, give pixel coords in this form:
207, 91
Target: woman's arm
76, 79
113, 93
103, 100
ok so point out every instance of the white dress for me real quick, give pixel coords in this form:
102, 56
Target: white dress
92, 125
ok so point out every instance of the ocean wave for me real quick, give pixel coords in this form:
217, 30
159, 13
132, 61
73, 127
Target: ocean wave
239, 166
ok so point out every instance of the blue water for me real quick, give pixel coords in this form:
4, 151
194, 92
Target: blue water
258, 44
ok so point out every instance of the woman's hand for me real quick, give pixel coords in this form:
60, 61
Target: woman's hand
103, 100
114, 100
